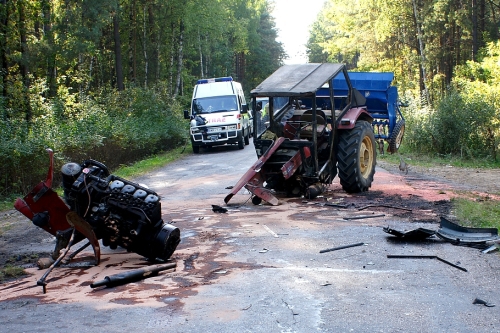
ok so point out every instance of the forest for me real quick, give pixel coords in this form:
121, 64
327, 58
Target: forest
108, 79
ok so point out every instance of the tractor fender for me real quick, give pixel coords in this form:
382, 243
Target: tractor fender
349, 119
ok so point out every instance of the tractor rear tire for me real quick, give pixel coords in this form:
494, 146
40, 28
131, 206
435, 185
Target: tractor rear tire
396, 136
357, 157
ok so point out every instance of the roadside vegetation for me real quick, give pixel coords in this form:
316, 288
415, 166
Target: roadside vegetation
109, 80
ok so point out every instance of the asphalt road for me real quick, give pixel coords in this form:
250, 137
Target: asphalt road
259, 268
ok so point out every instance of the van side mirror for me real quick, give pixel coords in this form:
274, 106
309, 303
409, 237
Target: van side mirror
244, 108
186, 114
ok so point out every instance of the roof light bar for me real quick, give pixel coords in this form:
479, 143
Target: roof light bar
217, 79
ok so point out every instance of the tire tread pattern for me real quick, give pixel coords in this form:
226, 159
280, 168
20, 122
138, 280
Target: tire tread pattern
350, 176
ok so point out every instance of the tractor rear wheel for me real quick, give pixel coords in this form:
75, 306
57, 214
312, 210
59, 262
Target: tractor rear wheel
356, 158
397, 136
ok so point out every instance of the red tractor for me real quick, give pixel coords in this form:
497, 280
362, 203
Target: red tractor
310, 124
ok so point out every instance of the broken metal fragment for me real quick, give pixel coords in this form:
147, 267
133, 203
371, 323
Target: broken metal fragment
459, 235
219, 209
480, 301
363, 217
416, 234
132, 276
408, 256
386, 206
341, 247
491, 248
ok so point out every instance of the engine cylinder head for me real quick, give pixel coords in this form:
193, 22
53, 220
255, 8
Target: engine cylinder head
129, 189
140, 194
116, 185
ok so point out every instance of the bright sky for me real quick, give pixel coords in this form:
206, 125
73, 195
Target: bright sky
293, 20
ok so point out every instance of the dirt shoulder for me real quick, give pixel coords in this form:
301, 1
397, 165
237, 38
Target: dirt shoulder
476, 180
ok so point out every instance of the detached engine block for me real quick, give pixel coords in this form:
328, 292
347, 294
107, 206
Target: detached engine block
121, 213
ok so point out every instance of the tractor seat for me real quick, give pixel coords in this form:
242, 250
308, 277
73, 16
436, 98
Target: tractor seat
306, 130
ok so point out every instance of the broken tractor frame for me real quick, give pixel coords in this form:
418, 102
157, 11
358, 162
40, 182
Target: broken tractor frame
98, 206
315, 125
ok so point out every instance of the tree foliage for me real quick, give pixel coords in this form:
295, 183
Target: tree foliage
97, 77
444, 54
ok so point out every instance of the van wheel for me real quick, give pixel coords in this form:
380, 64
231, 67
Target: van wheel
241, 143
247, 138
196, 149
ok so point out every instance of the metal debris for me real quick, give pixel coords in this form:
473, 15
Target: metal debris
386, 206
270, 231
363, 217
459, 235
341, 247
407, 256
491, 248
480, 301
132, 276
219, 209
416, 234
335, 205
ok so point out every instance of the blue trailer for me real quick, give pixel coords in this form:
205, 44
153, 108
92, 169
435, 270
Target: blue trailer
382, 103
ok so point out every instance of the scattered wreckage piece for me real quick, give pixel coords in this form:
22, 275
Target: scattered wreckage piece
385, 206
360, 217
341, 247
459, 235
480, 301
492, 248
132, 276
416, 234
98, 206
336, 205
408, 256
218, 209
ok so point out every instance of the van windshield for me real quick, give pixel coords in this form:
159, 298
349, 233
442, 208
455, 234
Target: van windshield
214, 104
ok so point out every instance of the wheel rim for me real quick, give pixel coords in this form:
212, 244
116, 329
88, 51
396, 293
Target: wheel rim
366, 156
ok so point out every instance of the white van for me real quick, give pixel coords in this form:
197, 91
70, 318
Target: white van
219, 114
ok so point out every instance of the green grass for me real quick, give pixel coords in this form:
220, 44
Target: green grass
9, 272
8, 202
149, 164
477, 212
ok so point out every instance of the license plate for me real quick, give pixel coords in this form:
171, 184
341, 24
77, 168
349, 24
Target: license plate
214, 129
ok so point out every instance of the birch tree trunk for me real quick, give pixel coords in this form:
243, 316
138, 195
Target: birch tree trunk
422, 53
179, 60
118, 53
